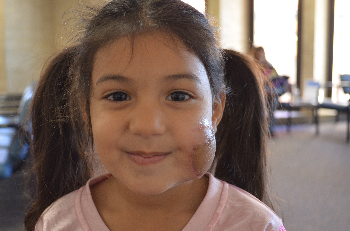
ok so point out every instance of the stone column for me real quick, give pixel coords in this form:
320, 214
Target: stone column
307, 41
3, 80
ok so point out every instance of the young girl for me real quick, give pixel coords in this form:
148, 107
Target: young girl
142, 92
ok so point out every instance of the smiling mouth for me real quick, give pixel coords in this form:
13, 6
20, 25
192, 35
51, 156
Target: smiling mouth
147, 158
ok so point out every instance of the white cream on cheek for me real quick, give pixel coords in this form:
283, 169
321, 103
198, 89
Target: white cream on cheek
203, 150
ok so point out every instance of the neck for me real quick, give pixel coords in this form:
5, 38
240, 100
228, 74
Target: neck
115, 196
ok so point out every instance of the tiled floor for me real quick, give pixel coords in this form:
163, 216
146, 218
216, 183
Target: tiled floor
310, 176
13, 202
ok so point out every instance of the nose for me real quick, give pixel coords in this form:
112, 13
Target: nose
147, 120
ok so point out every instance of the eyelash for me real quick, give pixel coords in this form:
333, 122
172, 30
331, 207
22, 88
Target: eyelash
113, 96
120, 96
181, 94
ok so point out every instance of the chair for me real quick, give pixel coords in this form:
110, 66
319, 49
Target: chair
308, 101
340, 106
345, 83
14, 132
9, 104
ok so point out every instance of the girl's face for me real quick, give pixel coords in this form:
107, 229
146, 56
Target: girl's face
152, 114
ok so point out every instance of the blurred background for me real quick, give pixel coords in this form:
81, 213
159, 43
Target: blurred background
305, 40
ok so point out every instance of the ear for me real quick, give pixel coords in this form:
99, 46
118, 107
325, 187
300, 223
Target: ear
218, 109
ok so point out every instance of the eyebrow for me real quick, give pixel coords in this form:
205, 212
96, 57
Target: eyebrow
118, 78
183, 76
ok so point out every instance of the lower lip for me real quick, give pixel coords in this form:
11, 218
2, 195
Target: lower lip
145, 161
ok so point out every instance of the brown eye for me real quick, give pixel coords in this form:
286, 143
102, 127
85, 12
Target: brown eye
179, 96
118, 96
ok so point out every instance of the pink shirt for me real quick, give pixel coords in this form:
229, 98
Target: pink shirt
225, 207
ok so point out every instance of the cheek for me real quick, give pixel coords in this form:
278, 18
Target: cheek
202, 157
203, 149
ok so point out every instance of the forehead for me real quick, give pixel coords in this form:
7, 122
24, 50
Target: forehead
152, 54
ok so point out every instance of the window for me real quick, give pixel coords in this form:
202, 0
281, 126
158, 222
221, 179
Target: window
275, 29
198, 4
341, 45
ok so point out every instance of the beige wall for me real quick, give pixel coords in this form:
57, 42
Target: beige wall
234, 22
32, 30
28, 40
3, 85
213, 8
64, 15
61, 15
213, 11
307, 53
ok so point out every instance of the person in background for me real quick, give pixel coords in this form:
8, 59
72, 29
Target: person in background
269, 76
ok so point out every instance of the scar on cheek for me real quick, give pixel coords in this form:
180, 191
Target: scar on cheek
202, 158
202, 154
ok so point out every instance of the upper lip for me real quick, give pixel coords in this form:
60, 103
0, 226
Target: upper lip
147, 154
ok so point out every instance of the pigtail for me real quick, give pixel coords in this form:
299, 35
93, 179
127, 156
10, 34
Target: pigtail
60, 165
241, 134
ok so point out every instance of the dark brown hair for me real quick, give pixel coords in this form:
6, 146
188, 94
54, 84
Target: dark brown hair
62, 137
241, 134
59, 162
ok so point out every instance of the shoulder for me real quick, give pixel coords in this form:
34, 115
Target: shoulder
245, 212
61, 215
74, 211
